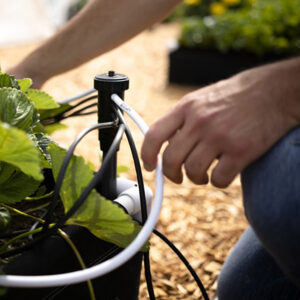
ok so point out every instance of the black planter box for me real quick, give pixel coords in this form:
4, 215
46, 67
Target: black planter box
197, 66
54, 255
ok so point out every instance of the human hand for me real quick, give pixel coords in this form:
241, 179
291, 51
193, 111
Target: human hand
234, 122
21, 72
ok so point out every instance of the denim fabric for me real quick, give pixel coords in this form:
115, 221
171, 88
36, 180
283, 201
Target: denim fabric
265, 263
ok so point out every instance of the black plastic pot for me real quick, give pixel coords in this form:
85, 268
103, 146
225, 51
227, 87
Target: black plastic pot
197, 66
53, 255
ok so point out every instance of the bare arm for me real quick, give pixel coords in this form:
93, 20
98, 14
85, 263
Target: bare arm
99, 27
234, 121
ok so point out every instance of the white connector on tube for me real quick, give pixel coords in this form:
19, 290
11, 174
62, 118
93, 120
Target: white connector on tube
130, 200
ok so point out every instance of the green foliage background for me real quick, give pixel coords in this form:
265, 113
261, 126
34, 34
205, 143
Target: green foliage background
265, 27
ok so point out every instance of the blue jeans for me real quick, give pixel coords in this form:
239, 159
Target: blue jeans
265, 263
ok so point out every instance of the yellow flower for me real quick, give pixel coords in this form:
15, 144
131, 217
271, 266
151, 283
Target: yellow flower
231, 2
192, 2
217, 8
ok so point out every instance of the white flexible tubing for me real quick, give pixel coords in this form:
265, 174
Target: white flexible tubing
131, 113
83, 94
116, 261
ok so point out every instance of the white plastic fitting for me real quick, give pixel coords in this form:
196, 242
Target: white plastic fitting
130, 200
124, 184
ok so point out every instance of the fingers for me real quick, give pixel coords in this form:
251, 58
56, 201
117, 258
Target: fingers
198, 162
159, 132
225, 171
186, 148
175, 154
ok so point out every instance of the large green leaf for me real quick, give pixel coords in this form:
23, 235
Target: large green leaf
17, 149
17, 187
101, 216
16, 109
41, 99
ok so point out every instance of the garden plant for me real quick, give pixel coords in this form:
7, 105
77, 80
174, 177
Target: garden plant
259, 27
49, 187
30, 162
218, 39
28, 156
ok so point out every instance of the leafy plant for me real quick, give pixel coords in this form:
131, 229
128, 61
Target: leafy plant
29, 159
268, 26
202, 8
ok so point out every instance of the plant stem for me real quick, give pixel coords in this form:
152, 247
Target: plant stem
19, 212
37, 208
61, 233
39, 197
22, 235
80, 260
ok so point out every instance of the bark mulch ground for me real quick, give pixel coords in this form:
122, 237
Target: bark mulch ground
204, 222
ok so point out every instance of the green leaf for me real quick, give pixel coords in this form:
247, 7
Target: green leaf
54, 127
39, 128
8, 81
42, 142
25, 84
17, 149
106, 221
41, 99
6, 170
51, 113
4, 80
5, 218
102, 217
17, 187
16, 109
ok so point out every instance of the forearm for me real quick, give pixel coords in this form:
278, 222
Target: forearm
281, 83
99, 27
289, 80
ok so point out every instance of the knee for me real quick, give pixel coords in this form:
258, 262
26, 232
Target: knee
228, 286
251, 273
223, 291
271, 194
233, 283
271, 191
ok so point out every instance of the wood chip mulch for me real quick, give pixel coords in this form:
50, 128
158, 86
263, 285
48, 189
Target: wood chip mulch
204, 222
